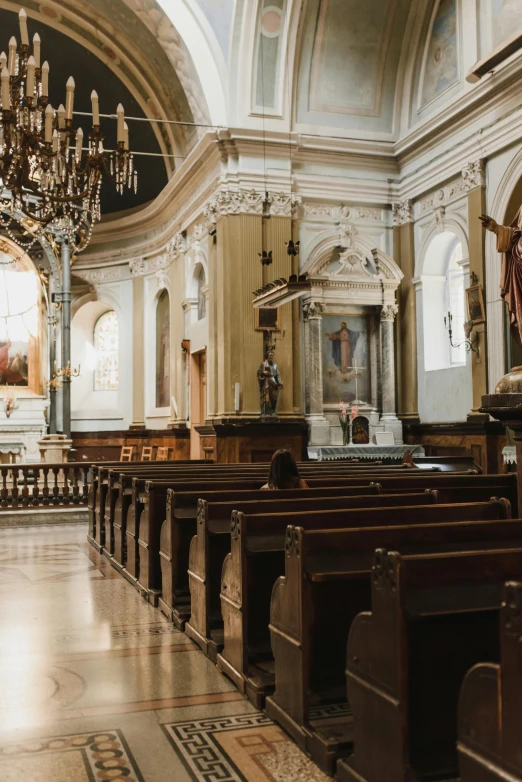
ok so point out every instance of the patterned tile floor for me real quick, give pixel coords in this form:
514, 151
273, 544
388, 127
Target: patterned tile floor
96, 685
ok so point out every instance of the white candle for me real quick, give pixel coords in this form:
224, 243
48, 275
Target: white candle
22, 16
29, 86
36, 49
121, 122
61, 116
125, 136
69, 97
95, 108
49, 117
6, 98
45, 79
12, 55
79, 144
55, 141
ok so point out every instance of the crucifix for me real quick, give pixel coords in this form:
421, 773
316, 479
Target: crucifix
357, 370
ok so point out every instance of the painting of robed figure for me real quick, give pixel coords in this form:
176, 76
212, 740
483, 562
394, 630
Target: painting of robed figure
345, 355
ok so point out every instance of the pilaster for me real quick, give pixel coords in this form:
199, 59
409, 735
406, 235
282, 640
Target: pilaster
475, 184
138, 354
389, 417
406, 324
319, 426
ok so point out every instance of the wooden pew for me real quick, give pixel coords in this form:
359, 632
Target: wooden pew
109, 498
433, 617
490, 705
211, 544
257, 559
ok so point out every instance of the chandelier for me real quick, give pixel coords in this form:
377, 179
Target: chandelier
50, 176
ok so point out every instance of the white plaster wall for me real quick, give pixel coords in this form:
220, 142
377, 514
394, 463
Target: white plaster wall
102, 410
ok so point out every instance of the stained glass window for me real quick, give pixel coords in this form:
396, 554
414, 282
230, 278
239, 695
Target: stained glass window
106, 344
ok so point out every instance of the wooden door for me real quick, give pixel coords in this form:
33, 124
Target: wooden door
198, 400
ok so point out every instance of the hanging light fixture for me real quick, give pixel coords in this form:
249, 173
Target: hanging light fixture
50, 175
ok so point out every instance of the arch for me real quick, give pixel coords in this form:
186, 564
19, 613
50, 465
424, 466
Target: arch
205, 54
328, 241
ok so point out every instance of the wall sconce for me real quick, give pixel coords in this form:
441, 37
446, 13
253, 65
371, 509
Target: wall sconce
56, 381
469, 344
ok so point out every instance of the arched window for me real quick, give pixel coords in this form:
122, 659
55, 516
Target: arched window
455, 300
443, 292
106, 346
202, 299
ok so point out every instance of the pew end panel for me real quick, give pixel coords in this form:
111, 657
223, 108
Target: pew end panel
233, 661
489, 723
166, 598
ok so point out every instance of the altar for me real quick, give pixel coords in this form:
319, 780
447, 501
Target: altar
348, 313
394, 452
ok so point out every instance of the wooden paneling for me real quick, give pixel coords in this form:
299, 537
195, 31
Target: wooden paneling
106, 446
484, 441
253, 442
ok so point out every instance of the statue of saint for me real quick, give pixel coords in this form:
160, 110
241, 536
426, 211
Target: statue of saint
509, 241
270, 385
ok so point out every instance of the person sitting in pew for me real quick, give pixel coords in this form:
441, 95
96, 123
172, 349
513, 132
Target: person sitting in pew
284, 473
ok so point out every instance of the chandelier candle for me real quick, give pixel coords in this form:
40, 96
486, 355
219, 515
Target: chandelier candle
45, 80
12, 56
29, 86
6, 97
120, 113
49, 118
22, 17
95, 109
3, 61
36, 49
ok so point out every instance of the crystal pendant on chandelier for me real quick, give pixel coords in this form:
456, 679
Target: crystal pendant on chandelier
50, 175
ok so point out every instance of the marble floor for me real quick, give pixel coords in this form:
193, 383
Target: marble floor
96, 685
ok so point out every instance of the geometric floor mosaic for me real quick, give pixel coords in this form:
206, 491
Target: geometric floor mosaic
243, 748
76, 758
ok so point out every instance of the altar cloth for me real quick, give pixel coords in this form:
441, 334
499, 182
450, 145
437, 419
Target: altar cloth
327, 452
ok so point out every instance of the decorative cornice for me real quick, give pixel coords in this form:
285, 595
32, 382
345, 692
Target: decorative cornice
336, 212
403, 212
474, 175
388, 313
96, 276
140, 267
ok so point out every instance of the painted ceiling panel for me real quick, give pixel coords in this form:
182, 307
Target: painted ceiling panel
349, 59
219, 14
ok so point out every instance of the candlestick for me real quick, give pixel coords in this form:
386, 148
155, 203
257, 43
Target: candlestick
45, 80
36, 49
29, 86
49, 117
22, 17
121, 122
69, 97
12, 55
6, 98
95, 108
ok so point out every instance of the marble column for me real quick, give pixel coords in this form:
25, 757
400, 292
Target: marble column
389, 417
319, 426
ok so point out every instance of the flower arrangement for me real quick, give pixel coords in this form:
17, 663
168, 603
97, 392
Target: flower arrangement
9, 404
345, 423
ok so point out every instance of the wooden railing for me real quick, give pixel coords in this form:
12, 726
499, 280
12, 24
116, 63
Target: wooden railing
42, 485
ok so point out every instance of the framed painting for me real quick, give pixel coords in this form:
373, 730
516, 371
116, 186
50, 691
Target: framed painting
475, 304
345, 353
266, 319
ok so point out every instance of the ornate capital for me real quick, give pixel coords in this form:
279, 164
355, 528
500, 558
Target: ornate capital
139, 267
177, 245
474, 175
403, 212
252, 202
313, 309
388, 313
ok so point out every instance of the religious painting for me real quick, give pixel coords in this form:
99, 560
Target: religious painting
18, 320
441, 67
360, 430
345, 358
506, 19
163, 351
475, 304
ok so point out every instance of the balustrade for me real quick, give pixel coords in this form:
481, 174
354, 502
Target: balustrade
43, 485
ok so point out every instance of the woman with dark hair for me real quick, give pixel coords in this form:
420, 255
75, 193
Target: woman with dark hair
284, 473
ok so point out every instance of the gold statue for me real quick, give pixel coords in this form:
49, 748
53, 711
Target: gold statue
509, 242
